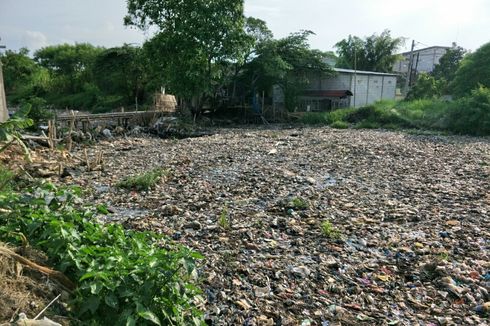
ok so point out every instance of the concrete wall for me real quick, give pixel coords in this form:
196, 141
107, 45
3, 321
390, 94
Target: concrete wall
367, 88
3, 100
427, 60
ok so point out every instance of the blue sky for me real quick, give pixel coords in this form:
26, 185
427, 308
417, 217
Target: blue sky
37, 23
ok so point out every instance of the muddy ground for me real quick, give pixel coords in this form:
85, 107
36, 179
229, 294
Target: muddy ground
409, 218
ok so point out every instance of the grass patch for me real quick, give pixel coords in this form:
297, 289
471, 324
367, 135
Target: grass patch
469, 115
314, 118
144, 181
298, 203
224, 219
340, 125
329, 231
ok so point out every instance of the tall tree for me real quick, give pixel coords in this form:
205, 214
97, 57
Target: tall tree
288, 63
195, 42
119, 72
449, 63
70, 64
474, 71
373, 53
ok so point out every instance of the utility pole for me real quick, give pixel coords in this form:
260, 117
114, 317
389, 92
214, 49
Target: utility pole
4, 113
355, 74
409, 73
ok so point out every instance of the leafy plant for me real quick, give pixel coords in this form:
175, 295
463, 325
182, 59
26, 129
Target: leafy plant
123, 277
298, 203
224, 219
6, 178
340, 125
10, 130
144, 181
329, 230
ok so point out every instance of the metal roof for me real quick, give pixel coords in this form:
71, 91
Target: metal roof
328, 93
362, 72
429, 48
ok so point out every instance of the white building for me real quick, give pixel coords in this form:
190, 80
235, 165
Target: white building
348, 88
424, 60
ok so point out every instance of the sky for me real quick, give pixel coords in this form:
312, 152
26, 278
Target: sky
38, 23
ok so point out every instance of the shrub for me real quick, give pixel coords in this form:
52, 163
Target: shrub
298, 203
123, 277
314, 118
329, 231
470, 115
6, 178
340, 125
338, 115
224, 219
143, 181
426, 87
473, 71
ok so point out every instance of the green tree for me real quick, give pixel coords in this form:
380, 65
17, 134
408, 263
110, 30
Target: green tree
70, 68
120, 75
449, 63
18, 69
474, 71
26, 83
196, 42
288, 63
373, 53
426, 87
70, 63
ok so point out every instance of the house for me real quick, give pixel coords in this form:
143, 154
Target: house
348, 88
424, 60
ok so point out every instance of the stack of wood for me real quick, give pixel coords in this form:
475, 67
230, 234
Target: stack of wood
165, 102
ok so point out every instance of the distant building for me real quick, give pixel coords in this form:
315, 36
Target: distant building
349, 88
424, 60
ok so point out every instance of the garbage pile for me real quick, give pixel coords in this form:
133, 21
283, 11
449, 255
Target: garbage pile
318, 226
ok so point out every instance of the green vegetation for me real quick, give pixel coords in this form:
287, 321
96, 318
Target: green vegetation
468, 115
298, 203
144, 181
10, 130
224, 219
6, 179
373, 53
339, 125
473, 72
329, 231
122, 277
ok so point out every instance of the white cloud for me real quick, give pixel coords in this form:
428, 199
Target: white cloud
34, 40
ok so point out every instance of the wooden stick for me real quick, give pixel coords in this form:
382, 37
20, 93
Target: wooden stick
86, 159
60, 277
49, 305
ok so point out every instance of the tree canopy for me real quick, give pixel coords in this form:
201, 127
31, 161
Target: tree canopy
373, 53
449, 63
288, 63
195, 43
474, 71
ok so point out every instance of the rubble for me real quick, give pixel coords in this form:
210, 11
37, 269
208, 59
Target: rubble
411, 214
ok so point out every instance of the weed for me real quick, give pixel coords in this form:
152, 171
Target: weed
6, 178
143, 181
123, 276
298, 203
339, 125
224, 219
443, 256
314, 118
329, 230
